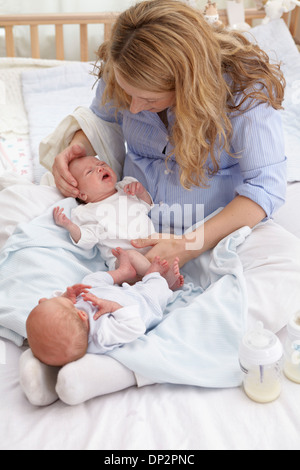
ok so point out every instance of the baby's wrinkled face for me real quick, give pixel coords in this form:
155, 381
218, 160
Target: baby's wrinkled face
96, 180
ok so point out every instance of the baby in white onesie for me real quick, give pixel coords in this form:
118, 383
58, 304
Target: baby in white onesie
113, 213
99, 315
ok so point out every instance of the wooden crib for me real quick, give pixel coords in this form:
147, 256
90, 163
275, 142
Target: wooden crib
84, 19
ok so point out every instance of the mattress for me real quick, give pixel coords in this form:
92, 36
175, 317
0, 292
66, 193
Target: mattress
160, 418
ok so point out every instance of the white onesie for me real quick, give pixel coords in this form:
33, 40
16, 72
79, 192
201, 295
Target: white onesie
142, 309
113, 222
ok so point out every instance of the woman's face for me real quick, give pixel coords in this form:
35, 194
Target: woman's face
142, 100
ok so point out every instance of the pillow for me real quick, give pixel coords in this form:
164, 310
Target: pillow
22, 202
275, 38
49, 96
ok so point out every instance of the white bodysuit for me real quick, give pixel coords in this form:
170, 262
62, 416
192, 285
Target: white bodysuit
113, 222
142, 309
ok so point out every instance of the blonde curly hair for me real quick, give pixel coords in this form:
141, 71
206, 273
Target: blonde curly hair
165, 45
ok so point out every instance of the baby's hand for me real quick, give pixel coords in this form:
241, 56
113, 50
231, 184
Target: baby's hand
104, 306
60, 218
74, 291
135, 189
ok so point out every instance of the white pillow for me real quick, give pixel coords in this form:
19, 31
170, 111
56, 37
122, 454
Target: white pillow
23, 202
49, 96
275, 38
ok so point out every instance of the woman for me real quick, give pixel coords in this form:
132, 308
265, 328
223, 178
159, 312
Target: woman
203, 104
198, 107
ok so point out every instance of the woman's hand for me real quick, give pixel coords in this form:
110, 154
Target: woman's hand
167, 247
64, 181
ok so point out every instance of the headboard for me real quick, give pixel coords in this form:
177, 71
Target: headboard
58, 20
84, 19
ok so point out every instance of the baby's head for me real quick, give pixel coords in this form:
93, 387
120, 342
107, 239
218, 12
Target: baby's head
57, 331
96, 180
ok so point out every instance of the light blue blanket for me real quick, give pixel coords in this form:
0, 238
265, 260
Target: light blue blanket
196, 343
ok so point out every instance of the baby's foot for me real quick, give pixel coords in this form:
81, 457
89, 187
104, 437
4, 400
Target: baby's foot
174, 278
172, 275
179, 279
124, 269
158, 266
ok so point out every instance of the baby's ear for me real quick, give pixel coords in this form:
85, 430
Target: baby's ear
83, 197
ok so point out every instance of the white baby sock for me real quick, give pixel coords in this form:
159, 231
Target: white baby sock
37, 380
92, 376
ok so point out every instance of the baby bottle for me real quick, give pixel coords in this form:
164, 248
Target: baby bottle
261, 361
292, 350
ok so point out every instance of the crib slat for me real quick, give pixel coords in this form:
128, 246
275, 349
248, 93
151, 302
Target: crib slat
107, 31
84, 51
295, 15
59, 41
35, 43
9, 40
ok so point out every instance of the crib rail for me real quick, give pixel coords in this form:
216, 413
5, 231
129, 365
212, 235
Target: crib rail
58, 20
84, 19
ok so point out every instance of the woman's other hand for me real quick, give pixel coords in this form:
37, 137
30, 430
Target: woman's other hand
167, 247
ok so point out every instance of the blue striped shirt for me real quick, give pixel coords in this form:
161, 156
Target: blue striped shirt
259, 173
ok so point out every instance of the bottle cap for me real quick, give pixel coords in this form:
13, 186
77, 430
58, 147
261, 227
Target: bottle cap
260, 347
293, 326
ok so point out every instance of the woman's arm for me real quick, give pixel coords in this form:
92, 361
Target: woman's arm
80, 146
239, 212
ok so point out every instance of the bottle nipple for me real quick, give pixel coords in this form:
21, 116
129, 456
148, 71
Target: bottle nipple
258, 338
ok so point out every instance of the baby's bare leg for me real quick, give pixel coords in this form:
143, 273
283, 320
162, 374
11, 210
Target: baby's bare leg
125, 270
143, 266
140, 263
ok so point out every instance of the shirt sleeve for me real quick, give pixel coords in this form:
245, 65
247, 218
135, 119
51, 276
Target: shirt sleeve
258, 143
106, 112
90, 227
129, 179
91, 234
121, 327
98, 279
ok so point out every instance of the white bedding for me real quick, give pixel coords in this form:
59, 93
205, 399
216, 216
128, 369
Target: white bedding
157, 417
160, 417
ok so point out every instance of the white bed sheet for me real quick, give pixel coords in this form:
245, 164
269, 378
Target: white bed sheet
157, 417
